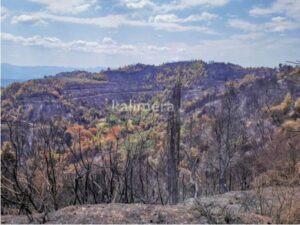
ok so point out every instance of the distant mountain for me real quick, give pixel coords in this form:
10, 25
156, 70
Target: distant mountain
12, 73
62, 94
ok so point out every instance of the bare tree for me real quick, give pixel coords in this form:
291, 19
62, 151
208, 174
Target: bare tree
174, 145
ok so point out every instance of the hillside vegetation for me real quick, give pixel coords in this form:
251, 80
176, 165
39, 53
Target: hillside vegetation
233, 134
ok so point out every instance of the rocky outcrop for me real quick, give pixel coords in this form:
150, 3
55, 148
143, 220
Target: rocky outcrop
115, 214
230, 208
227, 208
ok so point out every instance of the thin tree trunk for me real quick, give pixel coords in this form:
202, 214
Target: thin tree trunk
173, 145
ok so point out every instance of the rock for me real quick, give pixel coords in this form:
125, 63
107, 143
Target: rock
232, 207
251, 218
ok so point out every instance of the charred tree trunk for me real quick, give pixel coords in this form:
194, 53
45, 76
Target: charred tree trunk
174, 145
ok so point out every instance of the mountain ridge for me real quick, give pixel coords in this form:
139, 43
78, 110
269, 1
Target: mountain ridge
90, 89
11, 73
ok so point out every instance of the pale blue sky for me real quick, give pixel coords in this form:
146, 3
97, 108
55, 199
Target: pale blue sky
87, 33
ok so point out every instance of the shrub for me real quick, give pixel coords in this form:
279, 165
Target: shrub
112, 120
291, 125
281, 109
297, 105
